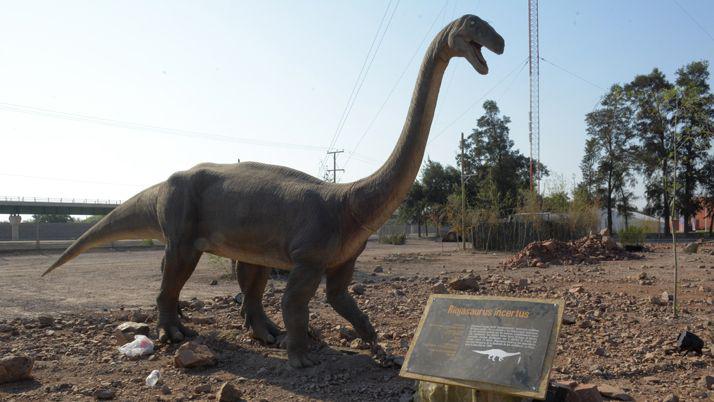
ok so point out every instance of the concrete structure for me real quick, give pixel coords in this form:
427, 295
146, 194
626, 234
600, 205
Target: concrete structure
15, 227
18, 231
42, 206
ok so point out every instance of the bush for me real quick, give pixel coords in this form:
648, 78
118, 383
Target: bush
396, 239
632, 235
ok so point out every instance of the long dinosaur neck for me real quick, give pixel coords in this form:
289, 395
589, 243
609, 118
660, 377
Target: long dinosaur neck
374, 198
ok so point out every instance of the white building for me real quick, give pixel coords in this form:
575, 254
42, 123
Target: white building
650, 223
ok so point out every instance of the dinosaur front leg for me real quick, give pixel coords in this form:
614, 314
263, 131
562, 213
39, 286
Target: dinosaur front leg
179, 262
252, 280
343, 303
302, 284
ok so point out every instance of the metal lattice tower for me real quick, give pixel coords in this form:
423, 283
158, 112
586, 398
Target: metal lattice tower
534, 115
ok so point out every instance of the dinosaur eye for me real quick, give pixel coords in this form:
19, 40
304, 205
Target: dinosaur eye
472, 22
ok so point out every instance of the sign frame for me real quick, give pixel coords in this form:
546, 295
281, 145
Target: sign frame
485, 386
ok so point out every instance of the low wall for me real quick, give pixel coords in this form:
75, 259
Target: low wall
47, 231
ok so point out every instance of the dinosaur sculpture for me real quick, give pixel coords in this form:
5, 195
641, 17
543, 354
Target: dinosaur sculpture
273, 216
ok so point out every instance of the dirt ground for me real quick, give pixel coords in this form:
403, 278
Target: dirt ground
616, 334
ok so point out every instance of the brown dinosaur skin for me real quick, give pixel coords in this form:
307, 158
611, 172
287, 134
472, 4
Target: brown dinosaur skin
273, 216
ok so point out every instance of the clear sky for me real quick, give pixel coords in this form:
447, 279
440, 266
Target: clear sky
268, 81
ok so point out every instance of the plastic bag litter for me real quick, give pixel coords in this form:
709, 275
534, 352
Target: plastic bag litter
140, 346
153, 378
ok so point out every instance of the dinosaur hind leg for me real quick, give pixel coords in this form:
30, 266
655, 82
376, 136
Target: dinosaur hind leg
180, 263
252, 280
177, 217
340, 300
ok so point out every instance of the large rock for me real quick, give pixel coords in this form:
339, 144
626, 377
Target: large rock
612, 392
609, 243
228, 393
193, 354
124, 333
588, 393
15, 368
561, 392
692, 248
439, 289
708, 382
357, 289
469, 282
104, 394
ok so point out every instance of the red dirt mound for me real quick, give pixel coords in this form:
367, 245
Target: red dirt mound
590, 249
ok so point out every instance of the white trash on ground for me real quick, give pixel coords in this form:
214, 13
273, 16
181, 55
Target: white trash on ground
140, 346
153, 378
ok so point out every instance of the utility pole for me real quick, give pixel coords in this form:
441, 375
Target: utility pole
463, 197
334, 169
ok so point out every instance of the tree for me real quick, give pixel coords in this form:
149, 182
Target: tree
707, 185
439, 182
498, 172
609, 148
52, 218
92, 219
414, 205
694, 116
652, 126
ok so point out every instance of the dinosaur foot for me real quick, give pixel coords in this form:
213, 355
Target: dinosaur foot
297, 359
264, 331
174, 332
301, 360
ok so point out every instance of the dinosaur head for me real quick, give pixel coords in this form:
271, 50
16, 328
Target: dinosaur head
467, 35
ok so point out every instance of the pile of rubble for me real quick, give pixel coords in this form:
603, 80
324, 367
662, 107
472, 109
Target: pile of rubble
590, 249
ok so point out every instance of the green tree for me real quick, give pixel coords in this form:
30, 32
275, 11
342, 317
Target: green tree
498, 172
707, 185
52, 218
609, 148
694, 116
652, 122
439, 182
414, 206
92, 219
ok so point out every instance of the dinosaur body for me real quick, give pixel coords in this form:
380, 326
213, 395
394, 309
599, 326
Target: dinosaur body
267, 216
499, 354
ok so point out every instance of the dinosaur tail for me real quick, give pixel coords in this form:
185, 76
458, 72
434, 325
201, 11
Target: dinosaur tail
136, 218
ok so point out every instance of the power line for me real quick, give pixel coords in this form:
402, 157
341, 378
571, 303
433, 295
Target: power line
31, 110
87, 181
573, 74
513, 81
396, 83
362, 76
693, 20
476, 102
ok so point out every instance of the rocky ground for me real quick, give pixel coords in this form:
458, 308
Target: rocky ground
619, 329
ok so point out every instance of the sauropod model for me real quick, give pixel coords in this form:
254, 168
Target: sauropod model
268, 216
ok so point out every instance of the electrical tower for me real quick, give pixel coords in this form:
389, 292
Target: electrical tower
534, 115
334, 169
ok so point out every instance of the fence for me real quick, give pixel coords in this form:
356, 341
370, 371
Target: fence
514, 235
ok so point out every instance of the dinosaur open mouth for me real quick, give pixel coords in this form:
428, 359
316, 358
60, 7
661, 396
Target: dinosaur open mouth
475, 57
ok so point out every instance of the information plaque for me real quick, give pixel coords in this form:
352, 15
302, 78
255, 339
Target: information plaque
499, 344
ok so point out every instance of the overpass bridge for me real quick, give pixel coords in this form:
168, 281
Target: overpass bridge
41, 206
15, 206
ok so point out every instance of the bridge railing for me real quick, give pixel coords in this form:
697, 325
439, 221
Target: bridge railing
61, 200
